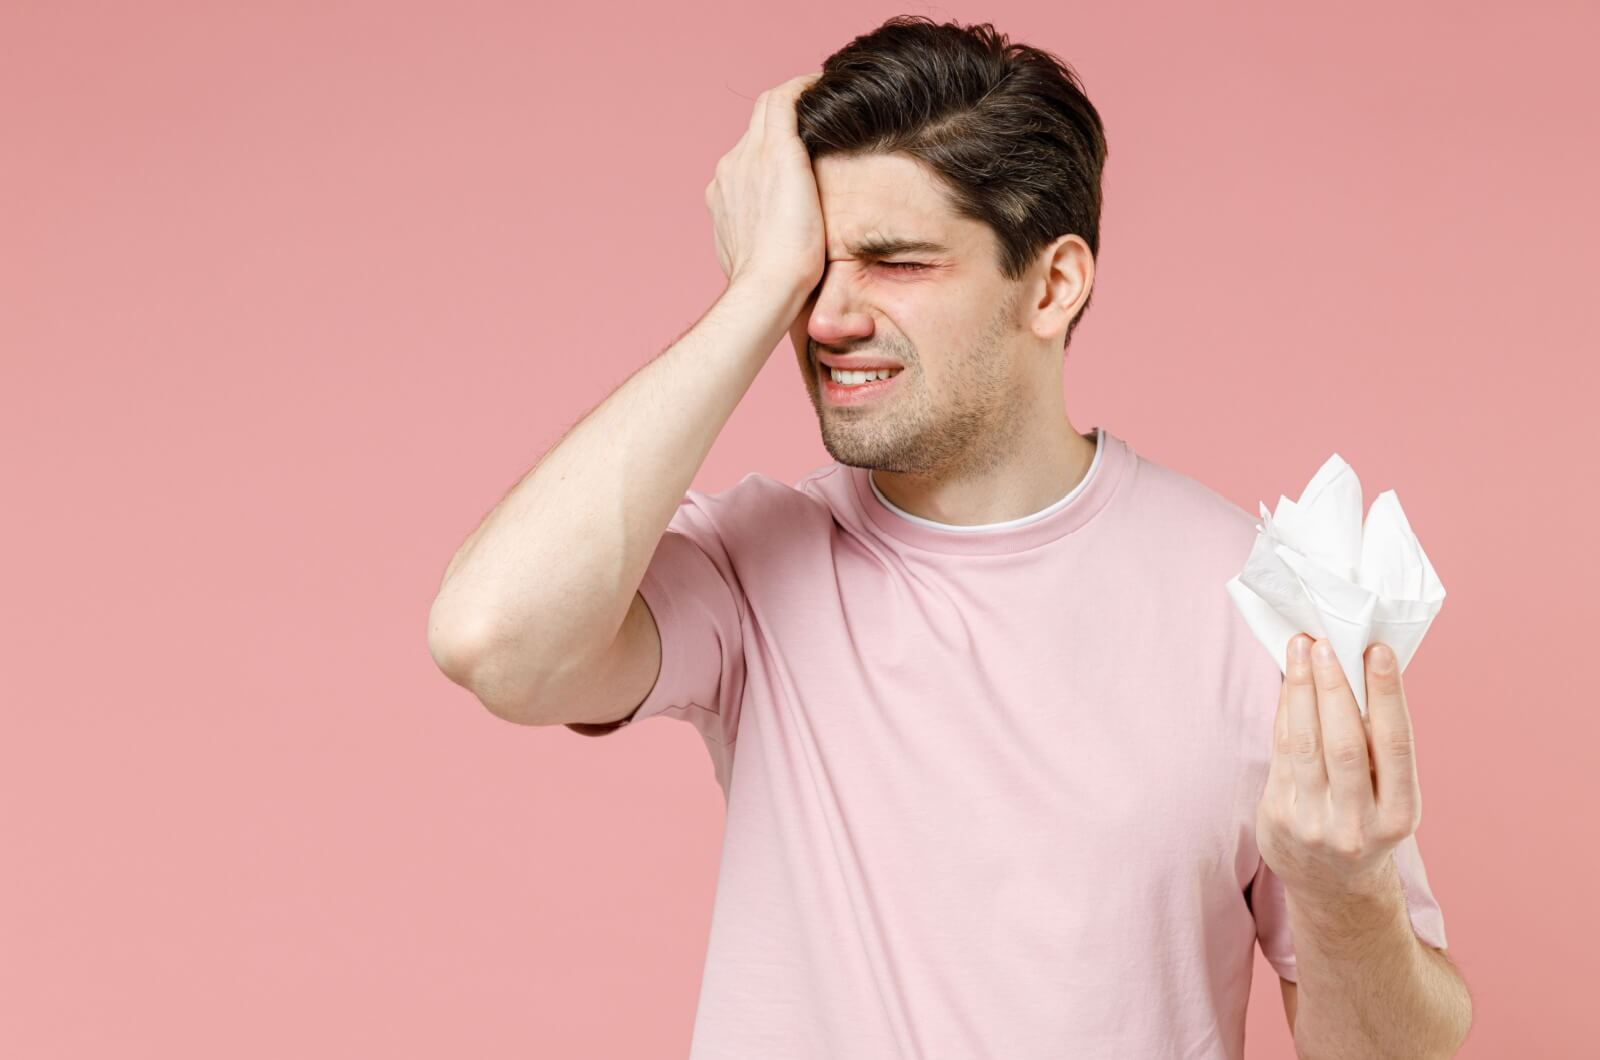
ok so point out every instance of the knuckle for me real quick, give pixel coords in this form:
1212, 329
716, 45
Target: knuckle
1304, 744
1394, 829
1347, 753
1400, 744
1348, 842
1328, 679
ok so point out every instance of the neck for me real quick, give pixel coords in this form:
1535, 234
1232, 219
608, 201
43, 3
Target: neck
1036, 470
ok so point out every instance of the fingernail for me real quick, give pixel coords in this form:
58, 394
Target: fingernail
1382, 659
1323, 652
1297, 650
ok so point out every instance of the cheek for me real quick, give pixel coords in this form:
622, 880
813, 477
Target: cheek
801, 343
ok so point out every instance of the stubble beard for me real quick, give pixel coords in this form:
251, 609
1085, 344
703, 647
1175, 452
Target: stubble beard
907, 432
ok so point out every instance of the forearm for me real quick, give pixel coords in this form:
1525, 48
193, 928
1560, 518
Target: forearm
1368, 987
546, 581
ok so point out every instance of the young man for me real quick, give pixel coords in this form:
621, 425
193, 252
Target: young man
992, 735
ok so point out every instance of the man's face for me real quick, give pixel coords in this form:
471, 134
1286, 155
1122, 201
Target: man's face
946, 315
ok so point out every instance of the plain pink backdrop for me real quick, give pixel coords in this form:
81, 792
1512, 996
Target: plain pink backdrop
290, 296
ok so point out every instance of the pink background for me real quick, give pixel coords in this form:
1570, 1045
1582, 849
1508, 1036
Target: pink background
290, 297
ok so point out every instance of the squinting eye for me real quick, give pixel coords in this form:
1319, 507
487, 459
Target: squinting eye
902, 265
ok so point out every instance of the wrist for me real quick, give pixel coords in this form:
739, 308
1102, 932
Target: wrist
777, 289
1362, 909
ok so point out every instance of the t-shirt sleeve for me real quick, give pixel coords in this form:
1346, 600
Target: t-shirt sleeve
1268, 903
694, 595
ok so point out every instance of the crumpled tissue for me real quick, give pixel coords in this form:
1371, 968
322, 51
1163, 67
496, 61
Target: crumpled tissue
1314, 568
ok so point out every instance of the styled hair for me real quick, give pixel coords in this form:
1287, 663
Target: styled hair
1006, 128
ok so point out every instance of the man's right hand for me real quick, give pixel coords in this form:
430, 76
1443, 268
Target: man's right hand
763, 199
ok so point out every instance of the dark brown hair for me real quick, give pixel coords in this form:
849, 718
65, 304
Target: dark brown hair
1005, 127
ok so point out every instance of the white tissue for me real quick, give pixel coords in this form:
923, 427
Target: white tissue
1315, 569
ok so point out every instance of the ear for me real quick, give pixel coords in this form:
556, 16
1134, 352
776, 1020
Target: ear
1068, 267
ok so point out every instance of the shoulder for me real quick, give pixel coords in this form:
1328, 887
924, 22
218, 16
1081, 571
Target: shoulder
1195, 519
1199, 540
761, 508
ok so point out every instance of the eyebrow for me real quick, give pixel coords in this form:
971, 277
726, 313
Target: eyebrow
888, 246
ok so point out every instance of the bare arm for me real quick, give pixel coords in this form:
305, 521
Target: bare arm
544, 584
535, 597
1368, 986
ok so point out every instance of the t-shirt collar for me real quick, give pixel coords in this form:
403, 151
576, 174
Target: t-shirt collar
1082, 502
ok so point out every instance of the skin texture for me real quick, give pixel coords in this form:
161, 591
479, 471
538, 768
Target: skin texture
977, 430
1341, 794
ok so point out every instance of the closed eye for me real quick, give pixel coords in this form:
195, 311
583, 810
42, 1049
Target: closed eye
907, 265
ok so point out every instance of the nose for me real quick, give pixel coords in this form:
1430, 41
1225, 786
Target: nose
838, 317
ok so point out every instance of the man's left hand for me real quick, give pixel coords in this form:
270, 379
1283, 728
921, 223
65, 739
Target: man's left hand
1342, 789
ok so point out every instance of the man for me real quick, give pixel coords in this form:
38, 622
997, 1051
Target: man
1001, 760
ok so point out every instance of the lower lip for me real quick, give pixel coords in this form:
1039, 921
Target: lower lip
839, 394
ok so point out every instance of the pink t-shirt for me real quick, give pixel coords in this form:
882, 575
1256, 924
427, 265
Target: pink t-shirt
991, 791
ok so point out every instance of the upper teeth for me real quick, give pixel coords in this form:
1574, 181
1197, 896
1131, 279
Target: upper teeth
852, 378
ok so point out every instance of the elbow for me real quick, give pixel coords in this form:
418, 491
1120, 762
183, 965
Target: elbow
455, 645
464, 652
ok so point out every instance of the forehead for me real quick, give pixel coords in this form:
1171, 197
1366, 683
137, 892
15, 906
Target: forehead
878, 205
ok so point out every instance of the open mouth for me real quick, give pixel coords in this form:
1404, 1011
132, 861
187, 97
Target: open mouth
849, 388
845, 377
